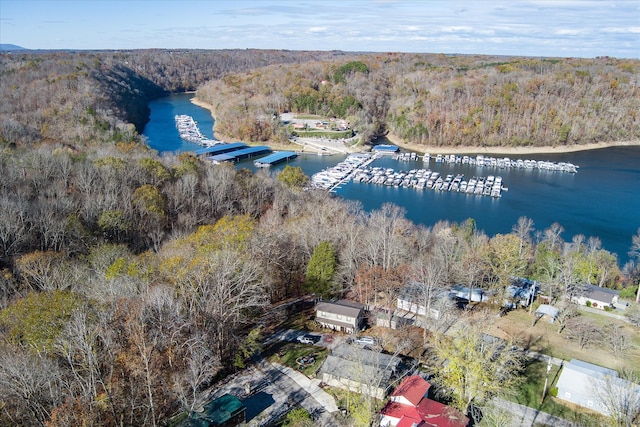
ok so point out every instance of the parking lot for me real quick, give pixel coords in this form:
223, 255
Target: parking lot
269, 390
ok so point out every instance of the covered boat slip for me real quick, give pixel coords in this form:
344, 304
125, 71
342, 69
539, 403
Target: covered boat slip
275, 158
234, 156
220, 149
231, 152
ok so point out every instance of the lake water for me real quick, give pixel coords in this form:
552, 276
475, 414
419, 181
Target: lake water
601, 200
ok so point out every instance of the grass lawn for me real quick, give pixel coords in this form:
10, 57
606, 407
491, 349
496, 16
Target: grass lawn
544, 338
529, 393
286, 353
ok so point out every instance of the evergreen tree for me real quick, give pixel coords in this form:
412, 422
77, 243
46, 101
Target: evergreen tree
321, 269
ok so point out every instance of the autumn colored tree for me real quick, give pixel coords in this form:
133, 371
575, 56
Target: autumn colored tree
293, 177
475, 367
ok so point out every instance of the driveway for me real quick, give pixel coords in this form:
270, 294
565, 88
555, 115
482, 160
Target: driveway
270, 390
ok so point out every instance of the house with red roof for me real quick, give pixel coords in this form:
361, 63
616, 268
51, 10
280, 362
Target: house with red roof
409, 406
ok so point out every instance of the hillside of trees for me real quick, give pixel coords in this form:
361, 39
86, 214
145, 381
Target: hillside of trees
101, 97
441, 100
130, 282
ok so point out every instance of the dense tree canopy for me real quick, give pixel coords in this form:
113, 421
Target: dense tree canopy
129, 282
441, 100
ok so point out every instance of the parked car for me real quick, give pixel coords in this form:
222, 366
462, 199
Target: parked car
365, 340
308, 339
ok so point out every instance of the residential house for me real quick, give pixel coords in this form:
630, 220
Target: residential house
342, 315
357, 369
463, 292
581, 383
388, 320
411, 299
225, 411
595, 296
410, 406
521, 292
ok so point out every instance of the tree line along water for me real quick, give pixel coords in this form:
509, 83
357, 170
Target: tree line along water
602, 200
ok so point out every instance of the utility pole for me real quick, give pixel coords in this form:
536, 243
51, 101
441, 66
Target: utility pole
546, 381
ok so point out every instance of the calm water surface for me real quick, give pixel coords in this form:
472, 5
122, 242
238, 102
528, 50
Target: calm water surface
601, 200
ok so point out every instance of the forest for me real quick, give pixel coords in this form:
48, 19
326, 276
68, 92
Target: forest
441, 100
130, 282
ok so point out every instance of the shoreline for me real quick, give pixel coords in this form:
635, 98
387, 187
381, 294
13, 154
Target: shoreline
509, 150
441, 150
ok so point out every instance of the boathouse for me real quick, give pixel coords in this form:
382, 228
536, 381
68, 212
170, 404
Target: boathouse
386, 149
235, 155
275, 158
220, 149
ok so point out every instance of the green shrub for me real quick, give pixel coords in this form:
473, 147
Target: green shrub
588, 304
553, 392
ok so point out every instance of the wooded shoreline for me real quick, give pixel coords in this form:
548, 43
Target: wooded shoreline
460, 150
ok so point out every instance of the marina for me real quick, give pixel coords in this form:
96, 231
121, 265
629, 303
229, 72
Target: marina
499, 162
609, 176
425, 179
189, 131
332, 178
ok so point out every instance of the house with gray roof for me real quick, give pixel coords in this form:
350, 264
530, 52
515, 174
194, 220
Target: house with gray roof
591, 385
342, 315
595, 296
360, 370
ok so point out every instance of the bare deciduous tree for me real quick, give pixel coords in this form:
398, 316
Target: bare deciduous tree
620, 397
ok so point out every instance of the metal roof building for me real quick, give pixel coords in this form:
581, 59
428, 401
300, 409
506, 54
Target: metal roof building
386, 148
587, 385
275, 158
236, 155
220, 148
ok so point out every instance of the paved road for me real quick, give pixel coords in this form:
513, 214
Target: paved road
525, 416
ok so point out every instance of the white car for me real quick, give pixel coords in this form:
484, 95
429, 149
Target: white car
365, 341
305, 339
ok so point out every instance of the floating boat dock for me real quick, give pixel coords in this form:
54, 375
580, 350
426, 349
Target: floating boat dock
331, 178
422, 179
275, 158
189, 131
498, 162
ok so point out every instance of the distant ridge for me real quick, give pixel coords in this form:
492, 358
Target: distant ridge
11, 47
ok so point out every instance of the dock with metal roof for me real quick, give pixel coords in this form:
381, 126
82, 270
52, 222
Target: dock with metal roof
244, 153
220, 149
275, 158
386, 148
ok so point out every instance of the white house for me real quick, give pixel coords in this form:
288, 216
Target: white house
582, 383
596, 297
411, 299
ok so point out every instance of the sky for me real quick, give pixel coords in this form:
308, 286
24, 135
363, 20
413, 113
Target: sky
552, 28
